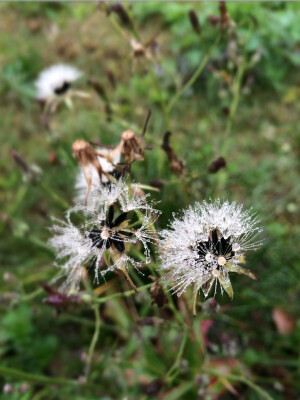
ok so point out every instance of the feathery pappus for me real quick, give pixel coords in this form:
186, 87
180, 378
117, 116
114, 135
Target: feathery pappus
205, 244
115, 217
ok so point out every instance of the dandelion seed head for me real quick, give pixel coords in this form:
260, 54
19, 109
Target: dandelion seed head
111, 221
55, 80
205, 243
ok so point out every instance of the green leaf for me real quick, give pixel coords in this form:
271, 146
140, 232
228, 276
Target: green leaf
240, 270
226, 284
179, 391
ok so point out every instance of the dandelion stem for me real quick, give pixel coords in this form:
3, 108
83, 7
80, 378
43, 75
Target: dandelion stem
179, 354
32, 295
94, 340
194, 77
164, 106
123, 294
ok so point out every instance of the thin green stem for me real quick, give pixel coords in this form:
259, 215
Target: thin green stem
164, 106
236, 89
32, 295
194, 77
46, 380
57, 199
94, 340
123, 294
179, 354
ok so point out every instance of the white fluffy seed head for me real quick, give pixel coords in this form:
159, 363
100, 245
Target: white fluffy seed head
53, 78
206, 242
76, 244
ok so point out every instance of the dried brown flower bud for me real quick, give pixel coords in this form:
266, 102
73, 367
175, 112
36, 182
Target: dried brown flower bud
130, 147
176, 165
87, 156
226, 21
121, 12
216, 165
31, 172
194, 22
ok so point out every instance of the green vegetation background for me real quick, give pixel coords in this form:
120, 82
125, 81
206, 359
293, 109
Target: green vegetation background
262, 172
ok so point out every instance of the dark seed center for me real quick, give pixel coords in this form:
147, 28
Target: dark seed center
215, 245
115, 236
63, 88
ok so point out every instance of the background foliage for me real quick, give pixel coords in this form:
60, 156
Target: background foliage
146, 352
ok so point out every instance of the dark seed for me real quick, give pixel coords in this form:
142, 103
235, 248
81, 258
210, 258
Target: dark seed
121, 218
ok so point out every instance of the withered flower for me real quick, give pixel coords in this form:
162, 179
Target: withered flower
176, 165
146, 50
120, 10
131, 147
216, 165
108, 165
87, 157
224, 20
194, 21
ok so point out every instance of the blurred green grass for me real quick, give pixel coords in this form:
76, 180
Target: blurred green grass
262, 172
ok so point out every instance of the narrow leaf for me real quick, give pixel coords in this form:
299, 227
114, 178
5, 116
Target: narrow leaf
241, 270
226, 284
